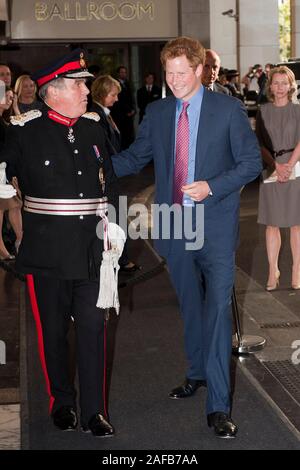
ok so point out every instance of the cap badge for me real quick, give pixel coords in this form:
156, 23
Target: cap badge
82, 61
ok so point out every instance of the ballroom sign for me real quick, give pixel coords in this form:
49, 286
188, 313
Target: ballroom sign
93, 19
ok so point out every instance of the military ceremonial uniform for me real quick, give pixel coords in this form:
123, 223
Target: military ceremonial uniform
57, 158
49, 166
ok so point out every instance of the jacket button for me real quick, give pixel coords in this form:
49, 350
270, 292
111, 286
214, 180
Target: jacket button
79, 172
81, 217
80, 194
47, 162
76, 151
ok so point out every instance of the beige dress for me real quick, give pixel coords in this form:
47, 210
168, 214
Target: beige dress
278, 128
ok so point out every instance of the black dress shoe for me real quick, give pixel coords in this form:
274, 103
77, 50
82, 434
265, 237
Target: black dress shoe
99, 427
223, 425
65, 418
187, 389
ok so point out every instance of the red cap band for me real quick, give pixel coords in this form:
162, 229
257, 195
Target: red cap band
73, 66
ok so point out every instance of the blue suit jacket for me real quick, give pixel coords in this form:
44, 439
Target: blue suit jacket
227, 157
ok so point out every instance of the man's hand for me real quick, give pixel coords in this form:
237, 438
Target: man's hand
197, 191
7, 191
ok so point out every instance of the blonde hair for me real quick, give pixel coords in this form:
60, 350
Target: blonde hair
283, 70
190, 47
19, 84
102, 86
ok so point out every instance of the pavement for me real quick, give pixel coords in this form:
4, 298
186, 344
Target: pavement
147, 357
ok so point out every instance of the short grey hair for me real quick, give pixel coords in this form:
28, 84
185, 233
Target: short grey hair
57, 83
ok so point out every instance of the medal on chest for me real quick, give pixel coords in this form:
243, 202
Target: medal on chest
102, 179
101, 171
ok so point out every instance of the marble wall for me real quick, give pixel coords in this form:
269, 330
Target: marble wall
10, 427
259, 33
195, 19
295, 5
257, 25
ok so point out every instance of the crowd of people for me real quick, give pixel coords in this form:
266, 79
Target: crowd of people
63, 163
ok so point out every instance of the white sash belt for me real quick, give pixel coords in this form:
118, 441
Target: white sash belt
65, 206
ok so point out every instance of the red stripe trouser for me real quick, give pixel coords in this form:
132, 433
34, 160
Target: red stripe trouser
54, 302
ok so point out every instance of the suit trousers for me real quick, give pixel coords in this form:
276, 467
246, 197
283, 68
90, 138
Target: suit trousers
203, 280
54, 302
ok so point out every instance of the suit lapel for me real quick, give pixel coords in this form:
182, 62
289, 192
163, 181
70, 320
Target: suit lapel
206, 124
168, 134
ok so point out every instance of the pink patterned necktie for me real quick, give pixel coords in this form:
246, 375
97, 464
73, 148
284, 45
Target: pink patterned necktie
182, 154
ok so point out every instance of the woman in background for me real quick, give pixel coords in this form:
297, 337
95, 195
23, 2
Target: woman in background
278, 131
14, 204
25, 90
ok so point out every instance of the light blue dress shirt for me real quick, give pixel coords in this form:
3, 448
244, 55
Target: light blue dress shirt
193, 112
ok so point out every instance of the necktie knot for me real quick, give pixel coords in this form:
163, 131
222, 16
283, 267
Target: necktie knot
185, 106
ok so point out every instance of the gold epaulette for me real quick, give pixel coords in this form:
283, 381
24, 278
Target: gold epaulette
93, 116
21, 119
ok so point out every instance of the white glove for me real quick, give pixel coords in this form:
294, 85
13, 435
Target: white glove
2, 173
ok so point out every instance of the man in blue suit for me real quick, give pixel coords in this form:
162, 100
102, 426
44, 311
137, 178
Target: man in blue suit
222, 156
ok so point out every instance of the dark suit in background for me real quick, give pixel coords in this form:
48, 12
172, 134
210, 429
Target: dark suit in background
144, 97
218, 88
123, 112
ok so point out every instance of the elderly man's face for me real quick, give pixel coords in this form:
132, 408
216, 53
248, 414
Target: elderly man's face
71, 99
211, 69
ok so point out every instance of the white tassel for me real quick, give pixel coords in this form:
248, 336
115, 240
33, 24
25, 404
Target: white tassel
108, 293
108, 289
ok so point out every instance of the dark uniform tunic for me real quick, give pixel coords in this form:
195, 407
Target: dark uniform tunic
63, 253
48, 165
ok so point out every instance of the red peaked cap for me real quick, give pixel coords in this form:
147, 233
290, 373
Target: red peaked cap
72, 65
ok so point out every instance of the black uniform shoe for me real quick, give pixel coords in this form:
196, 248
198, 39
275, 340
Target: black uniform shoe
223, 425
65, 418
99, 427
187, 389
